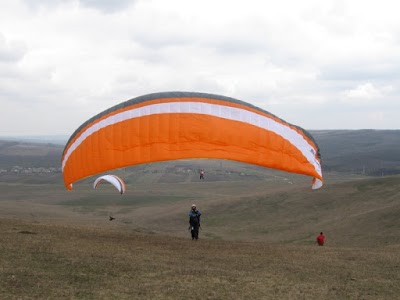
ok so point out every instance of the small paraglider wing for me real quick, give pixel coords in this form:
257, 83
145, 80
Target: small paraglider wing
316, 183
113, 179
181, 125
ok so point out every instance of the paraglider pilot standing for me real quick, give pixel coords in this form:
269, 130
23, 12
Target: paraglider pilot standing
194, 222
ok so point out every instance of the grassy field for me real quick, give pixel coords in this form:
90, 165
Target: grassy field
53, 261
256, 242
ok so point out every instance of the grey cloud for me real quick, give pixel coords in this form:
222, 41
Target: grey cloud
22, 88
156, 38
44, 3
9, 71
361, 72
239, 46
105, 6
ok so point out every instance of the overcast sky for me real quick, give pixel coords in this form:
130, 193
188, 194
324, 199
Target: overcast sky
316, 64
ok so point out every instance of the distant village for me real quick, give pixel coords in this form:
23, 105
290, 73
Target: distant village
29, 170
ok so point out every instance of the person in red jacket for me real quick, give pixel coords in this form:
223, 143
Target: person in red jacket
320, 239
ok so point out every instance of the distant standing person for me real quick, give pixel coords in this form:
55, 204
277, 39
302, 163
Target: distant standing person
320, 239
194, 222
201, 174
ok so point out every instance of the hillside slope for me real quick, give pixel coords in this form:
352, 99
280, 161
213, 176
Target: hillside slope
362, 212
358, 212
368, 152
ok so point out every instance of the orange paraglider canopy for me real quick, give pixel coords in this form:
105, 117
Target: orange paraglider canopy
179, 125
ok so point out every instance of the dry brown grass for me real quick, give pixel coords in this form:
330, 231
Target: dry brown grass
53, 261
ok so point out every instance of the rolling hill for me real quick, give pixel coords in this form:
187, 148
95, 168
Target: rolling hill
367, 152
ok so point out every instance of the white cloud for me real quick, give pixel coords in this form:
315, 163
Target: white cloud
11, 51
291, 58
367, 92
